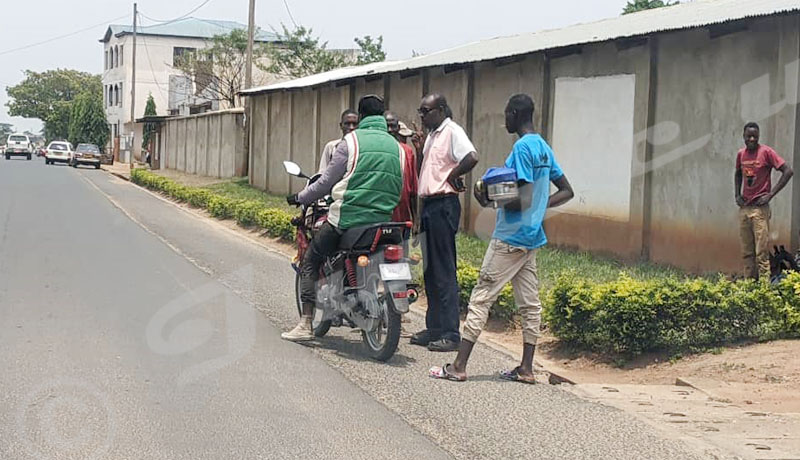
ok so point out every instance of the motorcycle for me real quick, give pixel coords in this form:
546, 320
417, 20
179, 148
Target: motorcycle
366, 284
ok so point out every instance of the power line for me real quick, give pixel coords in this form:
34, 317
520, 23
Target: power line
286, 4
24, 47
169, 21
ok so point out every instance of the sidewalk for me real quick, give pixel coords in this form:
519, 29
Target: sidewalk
121, 170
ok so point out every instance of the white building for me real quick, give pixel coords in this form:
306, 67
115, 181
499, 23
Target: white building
157, 48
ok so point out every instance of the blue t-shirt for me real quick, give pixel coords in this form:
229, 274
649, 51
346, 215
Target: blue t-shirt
536, 167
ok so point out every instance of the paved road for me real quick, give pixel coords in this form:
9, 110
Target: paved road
155, 328
112, 345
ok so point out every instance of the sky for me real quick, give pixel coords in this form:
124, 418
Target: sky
407, 26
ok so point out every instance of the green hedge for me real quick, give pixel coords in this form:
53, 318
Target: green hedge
247, 213
632, 317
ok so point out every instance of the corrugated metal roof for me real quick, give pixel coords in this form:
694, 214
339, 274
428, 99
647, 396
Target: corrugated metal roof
187, 27
693, 14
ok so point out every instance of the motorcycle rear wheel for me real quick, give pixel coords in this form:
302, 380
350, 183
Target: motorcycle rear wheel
320, 327
382, 343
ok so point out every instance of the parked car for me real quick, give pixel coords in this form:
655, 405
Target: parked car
86, 154
58, 152
18, 145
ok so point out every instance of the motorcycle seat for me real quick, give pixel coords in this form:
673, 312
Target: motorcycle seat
364, 237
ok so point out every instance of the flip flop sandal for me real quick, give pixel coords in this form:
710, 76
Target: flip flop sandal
514, 376
437, 372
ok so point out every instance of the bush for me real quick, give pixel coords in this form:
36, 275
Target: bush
247, 212
632, 317
277, 223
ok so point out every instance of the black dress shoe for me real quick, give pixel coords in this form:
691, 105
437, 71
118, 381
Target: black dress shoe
443, 345
421, 338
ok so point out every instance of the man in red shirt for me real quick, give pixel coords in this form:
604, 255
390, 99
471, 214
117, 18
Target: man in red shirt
406, 210
753, 179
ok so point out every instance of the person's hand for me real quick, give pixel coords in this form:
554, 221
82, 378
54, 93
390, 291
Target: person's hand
457, 183
763, 200
292, 200
418, 138
479, 193
740, 201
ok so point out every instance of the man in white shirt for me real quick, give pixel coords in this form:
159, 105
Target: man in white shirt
348, 123
448, 155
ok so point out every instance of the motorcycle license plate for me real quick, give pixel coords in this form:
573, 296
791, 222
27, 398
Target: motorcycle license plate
395, 272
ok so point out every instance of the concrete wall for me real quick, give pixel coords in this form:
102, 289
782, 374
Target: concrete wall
209, 144
692, 95
693, 214
280, 141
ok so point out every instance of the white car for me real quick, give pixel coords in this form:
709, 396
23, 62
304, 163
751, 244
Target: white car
18, 145
58, 152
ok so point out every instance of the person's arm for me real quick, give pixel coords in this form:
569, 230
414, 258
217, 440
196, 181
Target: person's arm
737, 182
333, 173
786, 175
464, 166
563, 194
464, 152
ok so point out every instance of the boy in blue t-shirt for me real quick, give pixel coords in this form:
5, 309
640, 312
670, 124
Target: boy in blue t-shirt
518, 233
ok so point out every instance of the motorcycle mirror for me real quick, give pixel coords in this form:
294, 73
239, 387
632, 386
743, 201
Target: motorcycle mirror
293, 169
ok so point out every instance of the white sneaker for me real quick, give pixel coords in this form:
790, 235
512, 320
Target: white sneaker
301, 333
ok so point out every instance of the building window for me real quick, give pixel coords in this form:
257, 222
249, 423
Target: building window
116, 95
179, 53
121, 54
121, 95
110, 95
105, 61
116, 56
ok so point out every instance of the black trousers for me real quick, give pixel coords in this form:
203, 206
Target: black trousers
323, 245
440, 217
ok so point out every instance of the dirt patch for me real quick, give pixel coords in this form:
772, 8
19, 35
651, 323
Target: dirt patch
764, 376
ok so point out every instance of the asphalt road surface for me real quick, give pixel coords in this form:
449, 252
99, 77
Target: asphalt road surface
133, 329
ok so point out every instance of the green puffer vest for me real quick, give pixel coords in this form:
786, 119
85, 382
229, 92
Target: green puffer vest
371, 187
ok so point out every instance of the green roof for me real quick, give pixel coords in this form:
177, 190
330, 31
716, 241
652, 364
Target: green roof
188, 28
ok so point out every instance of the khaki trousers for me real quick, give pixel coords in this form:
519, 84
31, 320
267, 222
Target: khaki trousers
503, 264
754, 233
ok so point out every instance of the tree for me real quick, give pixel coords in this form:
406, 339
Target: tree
218, 70
48, 96
371, 50
149, 128
87, 122
641, 5
298, 53
5, 130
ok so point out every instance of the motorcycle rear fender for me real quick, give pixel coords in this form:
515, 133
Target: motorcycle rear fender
397, 294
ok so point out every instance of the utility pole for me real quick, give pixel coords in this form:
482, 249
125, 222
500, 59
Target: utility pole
251, 26
133, 87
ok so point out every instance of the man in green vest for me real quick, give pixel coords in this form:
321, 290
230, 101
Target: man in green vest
364, 179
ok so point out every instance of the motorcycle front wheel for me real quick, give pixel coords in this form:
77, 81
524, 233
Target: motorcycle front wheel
382, 342
320, 327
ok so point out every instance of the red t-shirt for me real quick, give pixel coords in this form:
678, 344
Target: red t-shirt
757, 171
402, 213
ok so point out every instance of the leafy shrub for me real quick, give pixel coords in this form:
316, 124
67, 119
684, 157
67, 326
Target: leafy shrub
277, 223
247, 212
221, 207
630, 316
